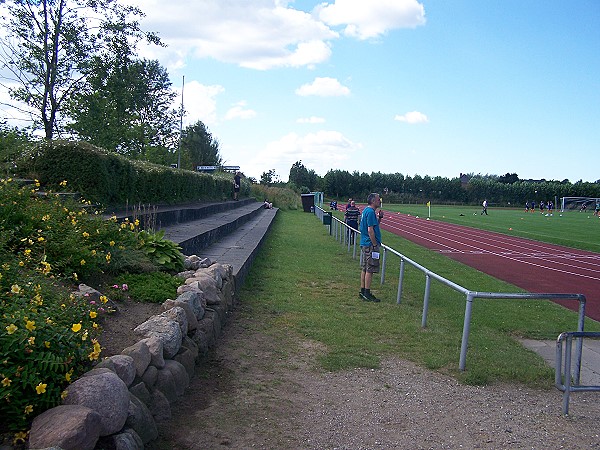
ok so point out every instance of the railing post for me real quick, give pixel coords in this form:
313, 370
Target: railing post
567, 392
426, 300
354, 251
400, 281
579, 349
383, 265
466, 329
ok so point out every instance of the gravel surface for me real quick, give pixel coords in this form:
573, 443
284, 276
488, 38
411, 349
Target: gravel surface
260, 391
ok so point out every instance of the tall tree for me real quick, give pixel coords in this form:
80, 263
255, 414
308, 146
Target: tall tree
199, 147
126, 107
49, 47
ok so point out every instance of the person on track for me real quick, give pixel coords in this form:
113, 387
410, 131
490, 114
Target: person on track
484, 208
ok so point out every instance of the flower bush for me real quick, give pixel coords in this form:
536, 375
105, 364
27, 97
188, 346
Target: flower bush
48, 336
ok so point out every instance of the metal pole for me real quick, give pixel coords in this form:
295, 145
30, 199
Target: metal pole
400, 281
383, 266
579, 349
466, 329
567, 392
426, 301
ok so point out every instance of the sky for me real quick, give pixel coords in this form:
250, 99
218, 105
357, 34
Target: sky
436, 88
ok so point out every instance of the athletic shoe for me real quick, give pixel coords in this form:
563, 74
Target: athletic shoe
365, 297
372, 298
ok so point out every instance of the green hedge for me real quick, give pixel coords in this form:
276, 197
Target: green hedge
111, 179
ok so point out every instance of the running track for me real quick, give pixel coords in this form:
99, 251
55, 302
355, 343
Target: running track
532, 265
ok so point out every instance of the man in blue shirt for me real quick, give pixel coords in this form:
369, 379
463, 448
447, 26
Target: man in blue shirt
370, 241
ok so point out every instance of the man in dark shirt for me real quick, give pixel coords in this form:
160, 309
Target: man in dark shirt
352, 215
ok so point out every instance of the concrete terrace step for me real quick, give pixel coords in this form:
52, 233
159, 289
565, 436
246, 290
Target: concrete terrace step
195, 235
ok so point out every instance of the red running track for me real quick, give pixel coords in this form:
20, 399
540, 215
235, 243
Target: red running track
532, 265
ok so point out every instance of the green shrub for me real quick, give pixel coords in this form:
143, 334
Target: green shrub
163, 252
110, 179
150, 287
282, 198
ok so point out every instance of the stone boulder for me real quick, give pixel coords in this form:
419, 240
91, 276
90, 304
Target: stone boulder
141, 356
166, 330
140, 419
106, 394
70, 427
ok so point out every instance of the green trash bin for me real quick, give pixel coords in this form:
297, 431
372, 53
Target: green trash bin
327, 218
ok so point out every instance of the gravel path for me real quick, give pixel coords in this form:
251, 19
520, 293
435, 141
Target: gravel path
261, 391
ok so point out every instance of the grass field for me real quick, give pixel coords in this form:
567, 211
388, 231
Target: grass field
571, 229
305, 284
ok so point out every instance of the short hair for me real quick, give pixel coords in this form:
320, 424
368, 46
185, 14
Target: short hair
372, 197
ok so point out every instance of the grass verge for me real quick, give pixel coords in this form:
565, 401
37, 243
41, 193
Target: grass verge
306, 286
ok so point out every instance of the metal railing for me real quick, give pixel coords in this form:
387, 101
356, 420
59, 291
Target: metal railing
341, 232
565, 380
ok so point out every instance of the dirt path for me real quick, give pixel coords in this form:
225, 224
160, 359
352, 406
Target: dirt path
262, 391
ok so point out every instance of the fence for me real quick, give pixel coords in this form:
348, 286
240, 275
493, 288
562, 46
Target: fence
565, 380
343, 233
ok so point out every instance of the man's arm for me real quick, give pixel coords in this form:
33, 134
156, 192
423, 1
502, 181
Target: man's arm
372, 236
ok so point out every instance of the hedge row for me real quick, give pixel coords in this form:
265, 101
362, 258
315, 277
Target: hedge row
110, 179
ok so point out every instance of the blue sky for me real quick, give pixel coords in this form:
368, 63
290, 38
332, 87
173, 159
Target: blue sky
432, 88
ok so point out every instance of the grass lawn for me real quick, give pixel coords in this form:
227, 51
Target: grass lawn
306, 285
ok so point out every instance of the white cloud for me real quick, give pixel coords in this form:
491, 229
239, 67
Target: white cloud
412, 117
240, 111
312, 119
261, 34
199, 102
318, 151
370, 19
323, 87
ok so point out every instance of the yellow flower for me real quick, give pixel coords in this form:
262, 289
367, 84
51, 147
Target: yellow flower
27, 252
82, 262
111, 243
131, 226
20, 437
41, 239
137, 223
41, 388
49, 321
108, 257
11, 328
31, 340
68, 375
86, 234
93, 314
64, 394
93, 252
30, 325
45, 218
75, 277
21, 264
97, 347
6, 382
103, 298
28, 409
15, 289
63, 183
94, 325
84, 336
46, 344
76, 327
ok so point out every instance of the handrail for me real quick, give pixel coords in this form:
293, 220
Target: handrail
336, 228
564, 381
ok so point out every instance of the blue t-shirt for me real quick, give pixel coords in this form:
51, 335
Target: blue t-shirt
369, 219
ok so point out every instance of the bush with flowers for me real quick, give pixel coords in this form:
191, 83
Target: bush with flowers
48, 336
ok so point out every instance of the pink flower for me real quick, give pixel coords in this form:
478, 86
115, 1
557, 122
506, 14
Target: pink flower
125, 287
115, 286
92, 302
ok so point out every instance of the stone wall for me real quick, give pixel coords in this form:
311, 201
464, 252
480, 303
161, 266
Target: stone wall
119, 402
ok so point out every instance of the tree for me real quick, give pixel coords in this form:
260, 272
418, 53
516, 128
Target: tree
126, 107
50, 45
199, 147
269, 177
